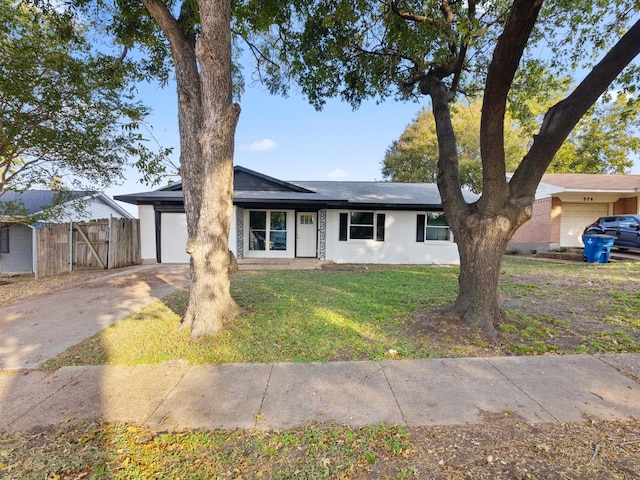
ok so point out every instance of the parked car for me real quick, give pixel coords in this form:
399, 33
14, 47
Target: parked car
626, 229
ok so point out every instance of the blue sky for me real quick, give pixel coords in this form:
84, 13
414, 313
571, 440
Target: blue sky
288, 139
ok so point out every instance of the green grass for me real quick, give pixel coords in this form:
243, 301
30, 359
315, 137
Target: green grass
130, 452
355, 314
296, 316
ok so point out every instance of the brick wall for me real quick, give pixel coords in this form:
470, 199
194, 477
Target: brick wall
538, 232
625, 205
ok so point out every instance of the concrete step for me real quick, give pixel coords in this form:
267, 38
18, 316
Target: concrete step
279, 264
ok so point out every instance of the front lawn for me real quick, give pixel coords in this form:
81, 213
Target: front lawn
357, 312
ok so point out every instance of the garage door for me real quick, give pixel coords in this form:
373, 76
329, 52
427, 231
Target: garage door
173, 238
576, 216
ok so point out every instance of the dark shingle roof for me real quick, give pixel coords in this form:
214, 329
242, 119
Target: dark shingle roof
321, 193
379, 193
34, 201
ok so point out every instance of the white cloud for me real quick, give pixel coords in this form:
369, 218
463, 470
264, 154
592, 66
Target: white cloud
261, 146
337, 173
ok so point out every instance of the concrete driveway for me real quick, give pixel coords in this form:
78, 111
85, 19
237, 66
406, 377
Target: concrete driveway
38, 328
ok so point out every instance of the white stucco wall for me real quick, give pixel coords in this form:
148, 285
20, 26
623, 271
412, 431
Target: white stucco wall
92, 209
398, 247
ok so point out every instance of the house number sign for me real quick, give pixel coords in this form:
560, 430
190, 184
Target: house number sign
587, 199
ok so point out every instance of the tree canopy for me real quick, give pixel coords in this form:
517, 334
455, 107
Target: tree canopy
606, 140
414, 156
68, 113
511, 53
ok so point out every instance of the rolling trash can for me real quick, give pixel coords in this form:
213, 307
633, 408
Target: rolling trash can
597, 248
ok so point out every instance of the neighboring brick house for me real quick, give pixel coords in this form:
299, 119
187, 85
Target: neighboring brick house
567, 202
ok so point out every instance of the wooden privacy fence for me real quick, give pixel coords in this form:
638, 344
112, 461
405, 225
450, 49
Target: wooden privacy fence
98, 244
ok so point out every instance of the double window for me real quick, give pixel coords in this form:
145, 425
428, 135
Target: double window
267, 230
432, 226
362, 226
4, 239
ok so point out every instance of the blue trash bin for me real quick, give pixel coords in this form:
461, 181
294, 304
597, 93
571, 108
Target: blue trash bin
597, 248
607, 242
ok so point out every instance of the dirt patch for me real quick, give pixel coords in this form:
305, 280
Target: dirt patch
508, 448
575, 311
503, 448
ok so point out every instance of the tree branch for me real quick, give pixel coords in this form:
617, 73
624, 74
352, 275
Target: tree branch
448, 167
393, 5
563, 117
506, 58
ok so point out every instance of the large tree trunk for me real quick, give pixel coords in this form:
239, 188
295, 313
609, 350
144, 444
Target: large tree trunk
207, 119
210, 302
481, 246
484, 228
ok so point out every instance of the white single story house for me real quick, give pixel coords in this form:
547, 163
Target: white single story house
17, 233
342, 222
566, 203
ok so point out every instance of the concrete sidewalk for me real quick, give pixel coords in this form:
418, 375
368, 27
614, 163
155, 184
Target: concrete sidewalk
274, 396
39, 328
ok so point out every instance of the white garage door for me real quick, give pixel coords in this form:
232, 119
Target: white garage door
173, 238
576, 216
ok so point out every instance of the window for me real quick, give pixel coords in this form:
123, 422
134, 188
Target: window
4, 239
267, 230
361, 226
306, 219
432, 226
628, 222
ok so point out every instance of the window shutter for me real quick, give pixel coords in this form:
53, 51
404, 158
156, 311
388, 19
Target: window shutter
420, 228
380, 227
344, 219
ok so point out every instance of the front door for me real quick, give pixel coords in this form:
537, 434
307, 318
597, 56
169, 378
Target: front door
306, 234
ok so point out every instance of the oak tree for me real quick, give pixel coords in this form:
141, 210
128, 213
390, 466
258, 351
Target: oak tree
200, 40
507, 51
68, 116
194, 38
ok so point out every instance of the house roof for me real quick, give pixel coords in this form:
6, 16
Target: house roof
31, 202
580, 182
253, 189
379, 193
34, 201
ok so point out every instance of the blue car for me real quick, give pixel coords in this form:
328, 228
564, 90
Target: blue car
626, 229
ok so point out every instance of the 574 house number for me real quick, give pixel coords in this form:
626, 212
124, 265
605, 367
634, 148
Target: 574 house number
587, 199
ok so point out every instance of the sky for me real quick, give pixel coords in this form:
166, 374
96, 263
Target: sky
288, 139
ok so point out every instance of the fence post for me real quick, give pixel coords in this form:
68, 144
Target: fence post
110, 241
70, 246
